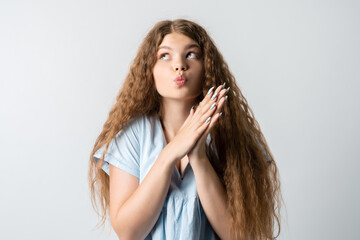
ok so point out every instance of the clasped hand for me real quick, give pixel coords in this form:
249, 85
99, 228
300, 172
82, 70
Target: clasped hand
191, 137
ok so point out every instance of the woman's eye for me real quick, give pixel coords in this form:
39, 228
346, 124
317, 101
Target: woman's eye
193, 54
163, 56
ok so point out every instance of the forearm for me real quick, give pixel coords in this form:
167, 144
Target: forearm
212, 196
138, 215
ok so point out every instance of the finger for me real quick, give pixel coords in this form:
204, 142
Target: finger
217, 105
221, 99
204, 111
220, 95
220, 104
209, 112
208, 124
203, 127
208, 96
209, 99
212, 122
192, 110
213, 97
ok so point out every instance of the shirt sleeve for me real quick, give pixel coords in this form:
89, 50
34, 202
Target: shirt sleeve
123, 151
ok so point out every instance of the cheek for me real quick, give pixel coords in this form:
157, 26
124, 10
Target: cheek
159, 73
159, 79
156, 74
201, 70
200, 74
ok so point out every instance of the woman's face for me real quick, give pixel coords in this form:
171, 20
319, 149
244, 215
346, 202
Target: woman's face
178, 55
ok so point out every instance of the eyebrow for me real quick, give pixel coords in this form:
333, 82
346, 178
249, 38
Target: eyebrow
186, 47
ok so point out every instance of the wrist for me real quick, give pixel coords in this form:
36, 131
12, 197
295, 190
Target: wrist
170, 154
198, 155
196, 158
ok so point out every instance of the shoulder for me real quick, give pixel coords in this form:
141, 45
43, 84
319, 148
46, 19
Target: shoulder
138, 124
145, 122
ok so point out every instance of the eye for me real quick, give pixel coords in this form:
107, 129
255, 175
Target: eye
163, 55
192, 54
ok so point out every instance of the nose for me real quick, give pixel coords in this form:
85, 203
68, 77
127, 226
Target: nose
180, 65
180, 68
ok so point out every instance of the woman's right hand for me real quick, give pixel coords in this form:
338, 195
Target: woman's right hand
195, 125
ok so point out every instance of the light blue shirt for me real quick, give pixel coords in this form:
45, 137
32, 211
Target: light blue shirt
135, 149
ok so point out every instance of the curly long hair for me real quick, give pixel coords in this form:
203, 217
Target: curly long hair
241, 157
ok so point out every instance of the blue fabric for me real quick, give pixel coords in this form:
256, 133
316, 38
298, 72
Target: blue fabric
135, 149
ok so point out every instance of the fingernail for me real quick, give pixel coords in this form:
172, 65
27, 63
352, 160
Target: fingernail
226, 98
210, 90
220, 114
214, 96
213, 105
227, 90
223, 86
192, 108
208, 120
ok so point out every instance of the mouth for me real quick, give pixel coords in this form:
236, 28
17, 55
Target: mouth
180, 80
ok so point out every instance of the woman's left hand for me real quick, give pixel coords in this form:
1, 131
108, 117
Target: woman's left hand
199, 150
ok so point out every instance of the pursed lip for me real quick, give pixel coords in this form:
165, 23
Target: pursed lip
180, 78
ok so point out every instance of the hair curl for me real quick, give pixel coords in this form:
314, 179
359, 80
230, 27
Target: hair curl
246, 166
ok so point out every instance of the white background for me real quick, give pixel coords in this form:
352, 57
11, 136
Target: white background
63, 62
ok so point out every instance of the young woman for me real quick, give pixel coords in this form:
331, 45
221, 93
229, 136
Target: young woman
181, 155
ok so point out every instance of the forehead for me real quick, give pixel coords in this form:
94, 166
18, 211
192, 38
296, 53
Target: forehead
177, 40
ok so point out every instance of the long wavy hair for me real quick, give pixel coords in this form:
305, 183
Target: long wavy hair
238, 150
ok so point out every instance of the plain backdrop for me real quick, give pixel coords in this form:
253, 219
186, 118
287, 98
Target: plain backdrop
62, 64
